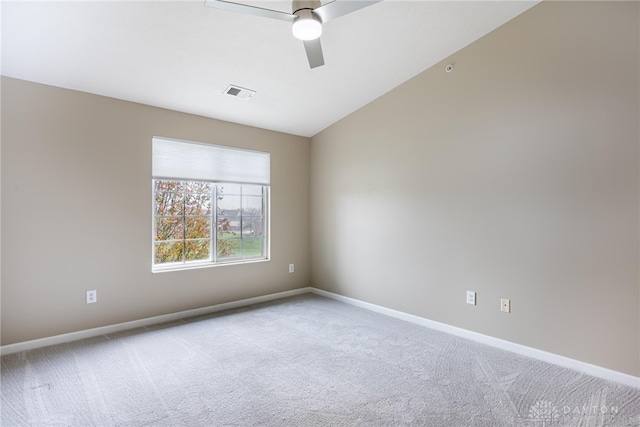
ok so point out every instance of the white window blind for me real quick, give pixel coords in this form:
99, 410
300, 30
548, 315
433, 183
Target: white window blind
190, 160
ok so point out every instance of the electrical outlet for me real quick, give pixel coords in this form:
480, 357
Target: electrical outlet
505, 305
291, 268
471, 297
92, 296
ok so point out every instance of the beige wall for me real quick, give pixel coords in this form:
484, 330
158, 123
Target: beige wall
515, 176
76, 213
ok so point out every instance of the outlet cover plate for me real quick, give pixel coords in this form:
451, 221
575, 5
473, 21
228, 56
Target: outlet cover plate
471, 297
92, 296
505, 305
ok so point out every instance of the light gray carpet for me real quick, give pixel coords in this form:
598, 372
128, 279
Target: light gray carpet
302, 361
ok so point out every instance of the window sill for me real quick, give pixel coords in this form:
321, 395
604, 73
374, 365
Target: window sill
196, 266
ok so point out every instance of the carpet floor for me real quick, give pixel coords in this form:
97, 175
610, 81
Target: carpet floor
300, 361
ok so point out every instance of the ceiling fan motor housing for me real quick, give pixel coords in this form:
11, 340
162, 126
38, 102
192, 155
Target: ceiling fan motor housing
305, 4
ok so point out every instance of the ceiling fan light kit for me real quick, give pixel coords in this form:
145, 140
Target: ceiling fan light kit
307, 26
306, 19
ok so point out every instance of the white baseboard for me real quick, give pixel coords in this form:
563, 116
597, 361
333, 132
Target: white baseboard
576, 365
94, 332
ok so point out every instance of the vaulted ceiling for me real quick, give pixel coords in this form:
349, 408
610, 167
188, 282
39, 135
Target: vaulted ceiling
182, 55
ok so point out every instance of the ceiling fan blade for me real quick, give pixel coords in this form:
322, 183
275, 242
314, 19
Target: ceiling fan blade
251, 10
338, 8
314, 52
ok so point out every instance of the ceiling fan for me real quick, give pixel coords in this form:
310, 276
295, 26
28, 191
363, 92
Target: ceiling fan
307, 18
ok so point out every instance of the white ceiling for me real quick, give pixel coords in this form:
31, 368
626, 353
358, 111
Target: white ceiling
183, 55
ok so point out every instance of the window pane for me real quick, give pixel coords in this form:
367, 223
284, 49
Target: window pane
252, 205
252, 227
229, 205
198, 228
197, 204
197, 250
164, 185
169, 228
168, 252
229, 189
169, 204
252, 190
252, 247
198, 187
228, 248
228, 227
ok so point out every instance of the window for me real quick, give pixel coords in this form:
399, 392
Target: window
199, 217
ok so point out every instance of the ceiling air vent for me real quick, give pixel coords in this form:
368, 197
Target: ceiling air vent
239, 92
